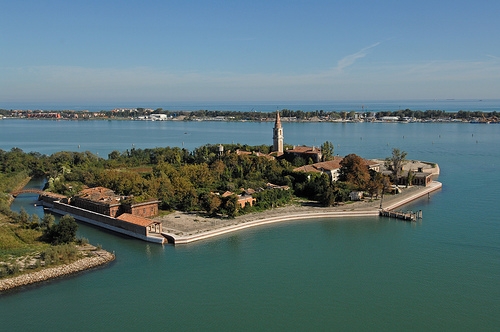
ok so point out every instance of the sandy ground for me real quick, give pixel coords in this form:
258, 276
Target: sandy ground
182, 224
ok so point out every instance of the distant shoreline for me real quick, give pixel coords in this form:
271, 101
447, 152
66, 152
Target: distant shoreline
286, 120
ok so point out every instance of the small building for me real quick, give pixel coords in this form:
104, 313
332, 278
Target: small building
243, 199
306, 152
158, 117
356, 195
105, 201
276, 186
143, 225
332, 167
98, 199
143, 209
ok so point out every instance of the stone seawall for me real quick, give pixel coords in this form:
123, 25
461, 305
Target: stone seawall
102, 257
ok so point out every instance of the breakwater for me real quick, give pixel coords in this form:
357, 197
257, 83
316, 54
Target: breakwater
101, 257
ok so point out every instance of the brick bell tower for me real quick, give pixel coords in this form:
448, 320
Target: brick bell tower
278, 135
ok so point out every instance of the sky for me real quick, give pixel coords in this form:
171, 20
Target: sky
159, 51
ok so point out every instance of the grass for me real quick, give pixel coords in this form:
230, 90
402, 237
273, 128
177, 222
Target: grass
21, 250
16, 241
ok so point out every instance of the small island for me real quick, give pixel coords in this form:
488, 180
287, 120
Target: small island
172, 195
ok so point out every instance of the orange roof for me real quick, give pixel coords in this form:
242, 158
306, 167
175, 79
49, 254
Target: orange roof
304, 149
306, 168
98, 194
130, 218
329, 165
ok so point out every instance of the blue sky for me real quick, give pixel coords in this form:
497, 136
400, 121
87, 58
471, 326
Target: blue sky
160, 51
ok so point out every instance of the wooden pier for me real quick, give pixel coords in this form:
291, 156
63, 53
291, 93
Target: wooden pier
408, 215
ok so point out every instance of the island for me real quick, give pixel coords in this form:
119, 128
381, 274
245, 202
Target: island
172, 195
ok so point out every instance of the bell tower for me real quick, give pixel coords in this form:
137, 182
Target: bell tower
278, 135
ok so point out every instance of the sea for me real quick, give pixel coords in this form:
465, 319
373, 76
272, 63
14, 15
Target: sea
441, 273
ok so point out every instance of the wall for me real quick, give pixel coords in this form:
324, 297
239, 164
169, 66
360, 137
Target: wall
100, 218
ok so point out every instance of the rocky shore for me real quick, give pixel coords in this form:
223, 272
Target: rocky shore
99, 258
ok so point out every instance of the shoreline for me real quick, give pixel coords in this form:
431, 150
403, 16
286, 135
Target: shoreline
199, 228
310, 120
102, 257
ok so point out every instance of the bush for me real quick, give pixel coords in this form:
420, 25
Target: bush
82, 241
63, 232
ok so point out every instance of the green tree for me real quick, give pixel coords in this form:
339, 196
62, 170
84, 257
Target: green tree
230, 206
63, 232
23, 218
47, 221
210, 202
395, 163
327, 150
376, 184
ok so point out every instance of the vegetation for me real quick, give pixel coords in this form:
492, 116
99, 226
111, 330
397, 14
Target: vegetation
28, 243
395, 163
192, 181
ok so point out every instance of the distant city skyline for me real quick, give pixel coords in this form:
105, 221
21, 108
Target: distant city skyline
157, 51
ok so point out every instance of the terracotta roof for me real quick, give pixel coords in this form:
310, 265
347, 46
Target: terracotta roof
306, 168
99, 194
304, 149
243, 153
330, 165
136, 220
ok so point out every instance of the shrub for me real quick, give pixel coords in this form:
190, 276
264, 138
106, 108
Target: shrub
63, 232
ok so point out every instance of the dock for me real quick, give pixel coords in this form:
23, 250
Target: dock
408, 215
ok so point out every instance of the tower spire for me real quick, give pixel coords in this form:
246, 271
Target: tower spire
277, 123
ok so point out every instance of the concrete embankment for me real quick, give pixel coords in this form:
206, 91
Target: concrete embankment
433, 186
102, 257
361, 210
265, 221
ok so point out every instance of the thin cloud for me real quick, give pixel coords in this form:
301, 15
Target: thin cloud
351, 59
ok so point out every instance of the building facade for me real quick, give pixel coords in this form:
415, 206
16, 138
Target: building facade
105, 201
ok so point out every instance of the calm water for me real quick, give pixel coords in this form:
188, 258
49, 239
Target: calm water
354, 274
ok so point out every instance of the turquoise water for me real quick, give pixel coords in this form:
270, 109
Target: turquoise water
442, 273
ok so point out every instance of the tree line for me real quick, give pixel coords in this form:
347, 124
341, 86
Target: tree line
193, 180
285, 113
